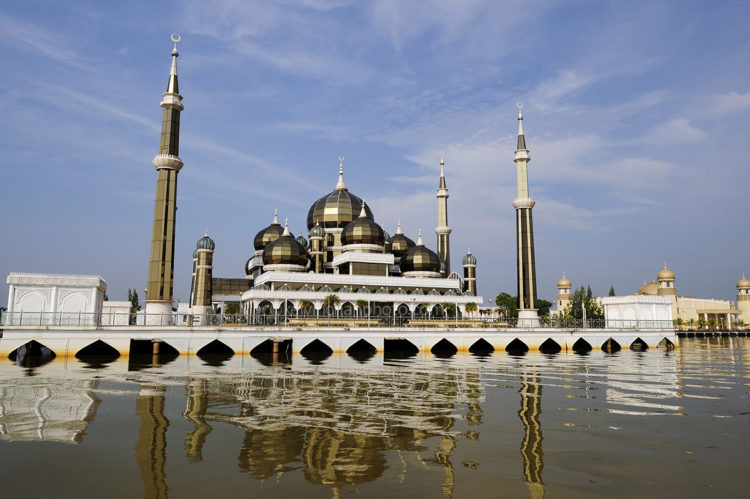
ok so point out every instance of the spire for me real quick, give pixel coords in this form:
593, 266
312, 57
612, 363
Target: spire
172, 87
420, 242
398, 228
442, 172
362, 212
521, 138
341, 186
275, 217
286, 228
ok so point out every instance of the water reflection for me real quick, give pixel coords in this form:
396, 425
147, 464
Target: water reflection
34, 409
342, 424
531, 445
150, 449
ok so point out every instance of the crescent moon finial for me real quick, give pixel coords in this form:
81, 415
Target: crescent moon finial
519, 105
175, 37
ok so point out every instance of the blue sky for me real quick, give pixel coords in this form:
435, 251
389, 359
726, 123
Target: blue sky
636, 116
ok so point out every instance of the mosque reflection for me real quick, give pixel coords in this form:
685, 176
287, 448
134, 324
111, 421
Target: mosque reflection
337, 427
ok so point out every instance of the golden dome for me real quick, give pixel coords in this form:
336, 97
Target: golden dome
363, 230
743, 283
651, 289
420, 259
285, 250
400, 244
665, 274
564, 283
269, 234
337, 208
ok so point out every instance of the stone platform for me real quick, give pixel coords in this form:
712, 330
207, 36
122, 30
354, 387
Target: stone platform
67, 341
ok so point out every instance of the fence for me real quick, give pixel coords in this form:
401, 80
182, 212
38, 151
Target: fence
303, 319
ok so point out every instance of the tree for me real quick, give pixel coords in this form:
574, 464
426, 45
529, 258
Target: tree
543, 307
232, 309
471, 307
305, 306
450, 309
583, 298
612, 291
331, 301
507, 304
135, 306
361, 305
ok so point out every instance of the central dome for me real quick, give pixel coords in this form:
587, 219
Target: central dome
336, 209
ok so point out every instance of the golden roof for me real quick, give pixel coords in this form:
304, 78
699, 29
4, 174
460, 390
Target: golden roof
564, 282
743, 283
665, 274
651, 289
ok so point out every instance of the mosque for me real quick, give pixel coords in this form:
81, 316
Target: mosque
684, 308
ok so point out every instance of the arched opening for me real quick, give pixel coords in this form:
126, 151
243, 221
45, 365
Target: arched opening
481, 347
215, 353
444, 349
639, 345
582, 347
264, 314
316, 352
32, 354
611, 346
399, 349
361, 351
516, 347
666, 344
97, 354
347, 310
149, 353
550, 346
264, 353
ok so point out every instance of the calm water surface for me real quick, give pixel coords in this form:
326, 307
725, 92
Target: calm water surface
666, 423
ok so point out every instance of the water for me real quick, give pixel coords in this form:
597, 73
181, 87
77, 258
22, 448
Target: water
667, 423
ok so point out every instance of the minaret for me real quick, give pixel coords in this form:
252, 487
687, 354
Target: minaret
531, 445
564, 298
743, 298
201, 305
316, 234
442, 230
159, 296
469, 263
527, 308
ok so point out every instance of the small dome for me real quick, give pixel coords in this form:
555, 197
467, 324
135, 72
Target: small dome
651, 289
469, 259
269, 234
665, 274
205, 243
420, 259
743, 283
337, 208
400, 244
363, 230
564, 283
317, 231
195, 254
285, 250
302, 240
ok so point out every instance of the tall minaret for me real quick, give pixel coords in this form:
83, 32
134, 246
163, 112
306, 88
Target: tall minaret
442, 230
159, 296
527, 308
201, 304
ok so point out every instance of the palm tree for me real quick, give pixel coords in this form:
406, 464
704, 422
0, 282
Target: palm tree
361, 305
471, 307
678, 323
712, 324
691, 324
305, 306
449, 308
331, 301
701, 323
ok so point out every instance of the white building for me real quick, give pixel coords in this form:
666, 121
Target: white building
54, 299
638, 311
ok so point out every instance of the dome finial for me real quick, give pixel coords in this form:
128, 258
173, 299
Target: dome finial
398, 227
275, 217
420, 242
341, 186
175, 37
362, 212
469, 252
286, 228
205, 234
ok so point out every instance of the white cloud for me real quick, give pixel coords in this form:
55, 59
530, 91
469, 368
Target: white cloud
674, 131
731, 102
